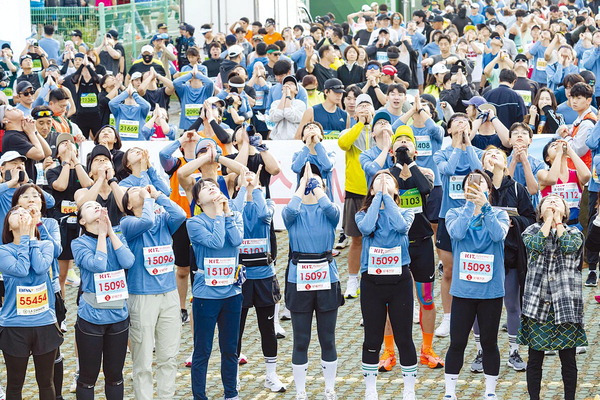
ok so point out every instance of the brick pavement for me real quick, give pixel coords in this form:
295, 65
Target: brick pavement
430, 384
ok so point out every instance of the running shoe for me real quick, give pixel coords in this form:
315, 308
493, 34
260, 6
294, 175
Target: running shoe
352, 288
188, 362
301, 396
490, 396
185, 317
477, 364
429, 358
505, 327
273, 383
597, 299
440, 269
371, 395
232, 398
242, 359
342, 242
63, 328
335, 252
516, 362
592, 279
329, 395
408, 395
444, 329
550, 352
416, 312
581, 350
73, 278
279, 331
285, 315
387, 361
73, 387
449, 397
362, 321
2, 393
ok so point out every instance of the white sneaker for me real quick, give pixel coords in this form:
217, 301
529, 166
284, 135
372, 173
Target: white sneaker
242, 359
581, 350
343, 241
352, 289
416, 311
371, 395
409, 395
550, 352
273, 383
2, 393
301, 396
279, 331
285, 314
73, 278
449, 397
444, 329
490, 396
63, 328
188, 361
329, 395
73, 387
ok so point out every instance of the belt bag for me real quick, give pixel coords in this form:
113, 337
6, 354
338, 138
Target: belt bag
385, 279
312, 257
90, 298
256, 259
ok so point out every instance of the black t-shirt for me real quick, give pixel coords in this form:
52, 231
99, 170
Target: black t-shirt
403, 71
86, 99
362, 37
68, 195
103, 101
371, 92
114, 214
19, 142
32, 78
157, 96
110, 63
421, 227
254, 161
213, 66
142, 68
322, 74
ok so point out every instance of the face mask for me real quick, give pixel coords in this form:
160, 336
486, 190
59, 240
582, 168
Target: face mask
147, 58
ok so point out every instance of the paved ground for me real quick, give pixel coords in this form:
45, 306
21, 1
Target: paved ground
349, 385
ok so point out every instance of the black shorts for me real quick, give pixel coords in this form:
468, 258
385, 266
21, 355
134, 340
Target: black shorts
422, 261
261, 292
59, 308
68, 233
181, 246
318, 300
434, 204
26, 341
442, 237
351, 207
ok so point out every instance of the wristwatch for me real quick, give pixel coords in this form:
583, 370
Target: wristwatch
111, 180
288, 97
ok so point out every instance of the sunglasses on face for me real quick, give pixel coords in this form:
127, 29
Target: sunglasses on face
28, 93
43, 113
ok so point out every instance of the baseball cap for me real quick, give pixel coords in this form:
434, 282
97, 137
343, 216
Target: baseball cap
63, 137
334, 84
392, 54
11, 155
204, 143
147, 49
389, 70
521, 57
364, 98
52, 67
159, 36
79, 55
26, 56
382, 17
216, 100
235, 50
437, 18
365, 8
23, 86
563, 9
469, 28
162, 25
384, 30
113, 33
290, 78
475, 5
404, 130
98, 150
269, 21
76, 32
136, 75
381, 115
476, 101
6, 46
439, 68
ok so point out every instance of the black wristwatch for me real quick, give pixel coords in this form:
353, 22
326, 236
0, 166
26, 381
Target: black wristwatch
112, 180
288, 97
64, 164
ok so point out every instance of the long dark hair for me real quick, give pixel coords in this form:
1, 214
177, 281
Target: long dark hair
22, 189
487, 179
125, 203
7, 235
370, 196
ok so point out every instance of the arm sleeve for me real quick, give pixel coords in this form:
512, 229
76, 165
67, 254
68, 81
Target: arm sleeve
223, 136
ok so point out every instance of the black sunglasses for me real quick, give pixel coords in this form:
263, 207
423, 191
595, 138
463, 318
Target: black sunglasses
28, 93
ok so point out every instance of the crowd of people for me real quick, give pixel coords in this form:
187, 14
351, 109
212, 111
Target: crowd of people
508, 228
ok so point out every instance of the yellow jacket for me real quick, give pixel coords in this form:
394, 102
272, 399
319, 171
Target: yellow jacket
354, 141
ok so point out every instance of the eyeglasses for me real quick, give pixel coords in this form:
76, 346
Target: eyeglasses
27, 93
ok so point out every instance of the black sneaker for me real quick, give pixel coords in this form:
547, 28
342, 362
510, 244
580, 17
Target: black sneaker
343, 241
592, 279
184, 316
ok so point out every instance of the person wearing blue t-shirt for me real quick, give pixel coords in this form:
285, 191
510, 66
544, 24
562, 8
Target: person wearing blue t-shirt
522, 166
130, 111
477, 231
537, 53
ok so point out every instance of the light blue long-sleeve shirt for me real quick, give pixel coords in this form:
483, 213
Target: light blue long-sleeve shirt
149, 177
593, 142
192, 98
276, 92
485, 238
555, 73
368, 164
149, 231
128, 115
539, 68
591, 61
453, 165
91, 261
519, 174
311, 229
384, 227
6, 195
325, 161
27, 264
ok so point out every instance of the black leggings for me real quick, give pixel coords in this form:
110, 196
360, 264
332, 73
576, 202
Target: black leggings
376, 301
16, 369
101, 344
464, 311
568, 369
302, 325
266, 325
58, 374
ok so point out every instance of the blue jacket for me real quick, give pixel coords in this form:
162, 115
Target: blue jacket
191, 98
121, 111
220, 237
90, 261
151, 230
539, 73
149, 177
311, 229
387, 228
482, 234
27, 264
325, 161
453, 161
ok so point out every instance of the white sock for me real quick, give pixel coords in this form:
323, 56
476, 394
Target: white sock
409, 375
370, 374
451, 384
271, 365
490, 384
77, 363
352, 276
299, 372
478, 342
446, 317
514, 346
329, 373
276, 313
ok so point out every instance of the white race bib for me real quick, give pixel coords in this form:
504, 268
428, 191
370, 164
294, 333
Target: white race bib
475, 267
455, 189
32, 300
424, 147
569, 192
110, 286
312, 276
159, 260
219, 271
385, 261
129, 128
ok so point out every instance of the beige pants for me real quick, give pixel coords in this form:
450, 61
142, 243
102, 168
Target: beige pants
155, 325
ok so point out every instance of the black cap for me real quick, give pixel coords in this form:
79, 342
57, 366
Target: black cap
334, 84
23, 86
392, 54
113, 33
98, 150
162, 25
429, 98
437, 18
76, 32
24, 57
290, 78
383, 30
6, 46
521, 57
382, 17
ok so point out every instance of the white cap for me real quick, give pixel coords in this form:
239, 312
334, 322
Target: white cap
147, 49
439, 68
136, 75
363, 97
235, 50
563, 9
365, 8
474, 5
11, 155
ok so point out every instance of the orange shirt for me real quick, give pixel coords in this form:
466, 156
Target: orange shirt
272, 38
